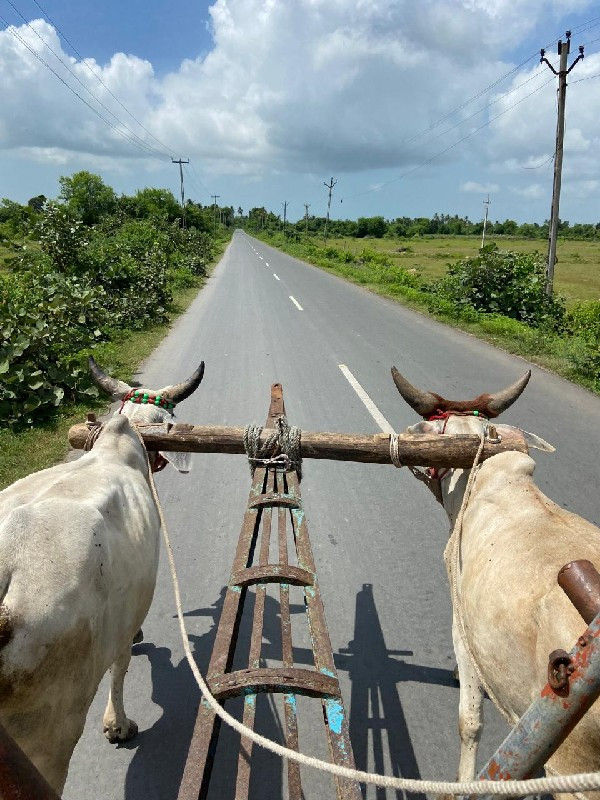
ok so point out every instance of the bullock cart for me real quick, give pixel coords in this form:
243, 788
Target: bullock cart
274, 522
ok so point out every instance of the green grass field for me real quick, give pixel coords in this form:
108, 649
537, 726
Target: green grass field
577, 274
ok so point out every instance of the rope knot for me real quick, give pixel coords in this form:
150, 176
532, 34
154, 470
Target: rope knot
281, 448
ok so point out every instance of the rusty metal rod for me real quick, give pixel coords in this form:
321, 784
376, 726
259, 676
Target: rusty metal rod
581, 583
418, 450
551, 717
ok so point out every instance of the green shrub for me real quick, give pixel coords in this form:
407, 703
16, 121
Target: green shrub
583, 320
503, 282
46, 319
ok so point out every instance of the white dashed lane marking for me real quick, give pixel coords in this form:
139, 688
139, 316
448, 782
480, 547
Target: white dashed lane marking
277, 278
369, 404
296, 303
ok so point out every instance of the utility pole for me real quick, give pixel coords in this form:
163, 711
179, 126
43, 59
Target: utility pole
563, 51
306, 207
330, 187
486, 203
285, 205
181, 162
215, 197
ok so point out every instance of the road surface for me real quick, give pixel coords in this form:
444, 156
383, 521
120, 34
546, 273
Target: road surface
377, 535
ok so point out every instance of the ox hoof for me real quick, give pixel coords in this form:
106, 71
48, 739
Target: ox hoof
120, 733
139, 637
456, 679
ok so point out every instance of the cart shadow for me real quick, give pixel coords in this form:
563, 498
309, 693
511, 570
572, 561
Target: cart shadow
156, 769
378, 728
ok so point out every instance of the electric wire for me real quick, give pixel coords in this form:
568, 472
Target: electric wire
192, 180
195, 171
150, 149
450, 147
480, 110
11, 29
99, 79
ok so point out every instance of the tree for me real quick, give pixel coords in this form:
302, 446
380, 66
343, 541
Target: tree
159, 204
87, 196
37, 203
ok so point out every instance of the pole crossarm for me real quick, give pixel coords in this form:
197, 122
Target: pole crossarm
415, 450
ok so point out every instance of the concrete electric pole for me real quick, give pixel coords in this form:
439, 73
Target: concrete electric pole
563, 52
306, 207
486, 203
330, 186
180, 162
285, 205
215, 197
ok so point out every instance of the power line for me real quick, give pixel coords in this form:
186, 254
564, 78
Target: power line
588, 78
198, 178
95, 74
12, 30
480, 110
442, 152
151, 150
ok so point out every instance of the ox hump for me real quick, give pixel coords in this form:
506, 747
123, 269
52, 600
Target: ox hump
119, 440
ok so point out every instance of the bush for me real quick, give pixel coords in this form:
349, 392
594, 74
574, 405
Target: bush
82, 285
584, 320
503, 282
46, 319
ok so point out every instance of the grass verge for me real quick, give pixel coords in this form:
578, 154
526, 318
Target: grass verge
26, 451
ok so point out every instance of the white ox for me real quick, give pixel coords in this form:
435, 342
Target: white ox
514, 541
79, 547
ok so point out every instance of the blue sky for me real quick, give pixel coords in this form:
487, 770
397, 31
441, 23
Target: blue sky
270, 99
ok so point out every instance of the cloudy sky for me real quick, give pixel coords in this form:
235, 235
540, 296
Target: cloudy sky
413, 107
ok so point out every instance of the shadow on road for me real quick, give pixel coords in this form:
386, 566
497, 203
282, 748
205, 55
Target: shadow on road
375, 706
378, 727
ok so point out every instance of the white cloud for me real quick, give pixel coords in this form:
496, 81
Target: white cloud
535, 191
479, 188
309, 86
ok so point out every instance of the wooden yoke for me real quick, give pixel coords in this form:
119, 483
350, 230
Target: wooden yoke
415, 450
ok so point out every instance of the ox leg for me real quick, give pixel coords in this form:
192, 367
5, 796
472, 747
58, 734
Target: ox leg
117, 728
470, 719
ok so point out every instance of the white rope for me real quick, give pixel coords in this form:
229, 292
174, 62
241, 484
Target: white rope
588, 781
395, 450
452, 559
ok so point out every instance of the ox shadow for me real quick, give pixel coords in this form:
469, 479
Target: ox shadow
375, 706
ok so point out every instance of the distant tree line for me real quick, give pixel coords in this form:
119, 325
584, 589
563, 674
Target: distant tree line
379, 227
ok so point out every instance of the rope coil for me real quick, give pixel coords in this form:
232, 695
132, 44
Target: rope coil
285, 438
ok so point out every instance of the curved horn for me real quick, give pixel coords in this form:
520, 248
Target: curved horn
181, 391
500, 401
110, 386
424, 403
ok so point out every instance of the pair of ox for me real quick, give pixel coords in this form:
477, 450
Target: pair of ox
79, 548
79, 554
514, 541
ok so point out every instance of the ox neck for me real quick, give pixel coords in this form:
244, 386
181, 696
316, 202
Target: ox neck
453, 487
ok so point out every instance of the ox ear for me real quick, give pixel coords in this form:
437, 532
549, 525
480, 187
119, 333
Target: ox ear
532, 440
422, 427
181, 461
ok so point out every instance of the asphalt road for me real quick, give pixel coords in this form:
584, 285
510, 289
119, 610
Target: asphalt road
377, 535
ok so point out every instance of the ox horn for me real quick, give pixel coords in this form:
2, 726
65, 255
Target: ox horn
424, 403
181, 391
110, 386
500, 401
